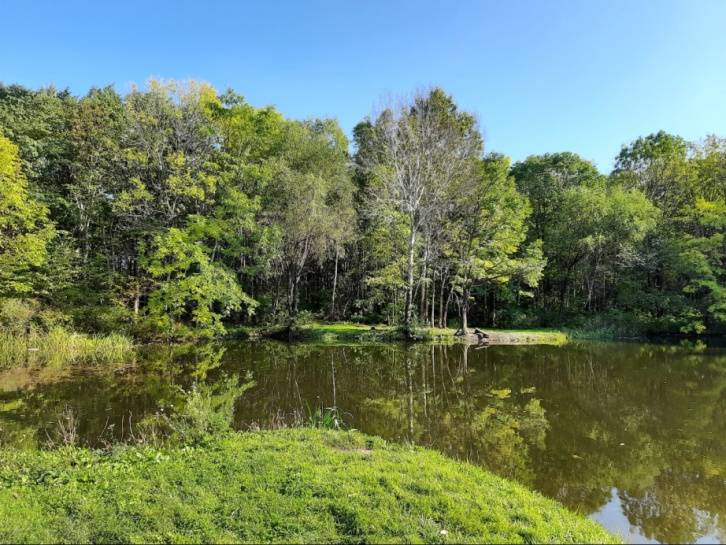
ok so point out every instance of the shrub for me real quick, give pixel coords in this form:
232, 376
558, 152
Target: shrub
208, 409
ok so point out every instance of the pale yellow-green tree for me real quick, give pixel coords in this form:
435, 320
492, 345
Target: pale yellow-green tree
24, 227
309, 200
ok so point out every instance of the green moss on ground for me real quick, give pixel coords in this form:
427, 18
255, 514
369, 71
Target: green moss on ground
298, 485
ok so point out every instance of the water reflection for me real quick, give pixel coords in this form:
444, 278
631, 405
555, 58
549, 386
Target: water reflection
632, 434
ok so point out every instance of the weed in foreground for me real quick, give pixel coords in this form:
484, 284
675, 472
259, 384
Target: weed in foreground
65, 432
329, 418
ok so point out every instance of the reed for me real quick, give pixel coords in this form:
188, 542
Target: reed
60, 347
329, 418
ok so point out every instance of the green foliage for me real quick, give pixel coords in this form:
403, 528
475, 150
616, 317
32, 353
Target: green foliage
330, 418
488, 231
58, 347
309, 198
656, 165
411, 161
175, 210
291, 485
24, 229
542, 178
208, 409
701, 260
190, 284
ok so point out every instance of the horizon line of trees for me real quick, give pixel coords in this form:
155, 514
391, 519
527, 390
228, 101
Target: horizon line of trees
178, 210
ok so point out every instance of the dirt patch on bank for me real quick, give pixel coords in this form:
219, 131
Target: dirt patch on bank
524, 337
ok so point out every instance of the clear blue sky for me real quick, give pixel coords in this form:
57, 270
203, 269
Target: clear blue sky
543, 76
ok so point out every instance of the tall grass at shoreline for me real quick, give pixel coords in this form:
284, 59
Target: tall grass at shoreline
60, 347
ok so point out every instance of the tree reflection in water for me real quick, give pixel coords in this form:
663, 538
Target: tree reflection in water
579, 423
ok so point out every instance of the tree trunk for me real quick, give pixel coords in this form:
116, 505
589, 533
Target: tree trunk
135, 270
446, 306
276, 305
433, 296
563, 293
294, 273
422, 310
441, 300
590, 285
464, 309
407, 314
137, 298
335, 282
494, 308
292, 294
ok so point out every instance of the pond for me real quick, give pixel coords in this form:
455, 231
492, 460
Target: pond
632, 435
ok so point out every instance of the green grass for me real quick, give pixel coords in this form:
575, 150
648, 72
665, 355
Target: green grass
343, 333
59, 347
336, 333
539, 336
599, 333
536, 330
294, 485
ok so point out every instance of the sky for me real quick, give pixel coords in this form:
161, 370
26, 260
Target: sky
542, 75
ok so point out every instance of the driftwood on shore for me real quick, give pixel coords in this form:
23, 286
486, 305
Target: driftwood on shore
478, 336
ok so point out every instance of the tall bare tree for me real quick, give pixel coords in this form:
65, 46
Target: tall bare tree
412, 156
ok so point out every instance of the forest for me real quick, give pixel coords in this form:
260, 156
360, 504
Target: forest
178, 211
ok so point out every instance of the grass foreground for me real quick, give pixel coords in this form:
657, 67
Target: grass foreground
294, 485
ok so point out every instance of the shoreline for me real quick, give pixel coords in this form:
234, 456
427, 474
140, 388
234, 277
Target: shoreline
330, 333
291, 485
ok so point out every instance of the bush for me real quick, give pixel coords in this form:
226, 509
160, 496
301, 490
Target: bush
208, 409
515, 318
102, 318
21, 316
454, 323
369, 318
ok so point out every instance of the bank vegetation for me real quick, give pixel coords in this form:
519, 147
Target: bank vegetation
177, 211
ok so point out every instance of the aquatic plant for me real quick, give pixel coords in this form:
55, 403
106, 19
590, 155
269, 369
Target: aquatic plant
59, 347
208, 409
65, 431
329, 418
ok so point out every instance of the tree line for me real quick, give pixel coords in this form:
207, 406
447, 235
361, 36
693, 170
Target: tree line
177, 210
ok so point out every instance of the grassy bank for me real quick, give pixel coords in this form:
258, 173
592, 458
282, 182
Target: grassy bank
295, 485
527, 336
341, 332
59, 347
348, 332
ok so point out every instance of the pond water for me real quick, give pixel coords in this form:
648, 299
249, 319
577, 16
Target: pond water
632, 435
